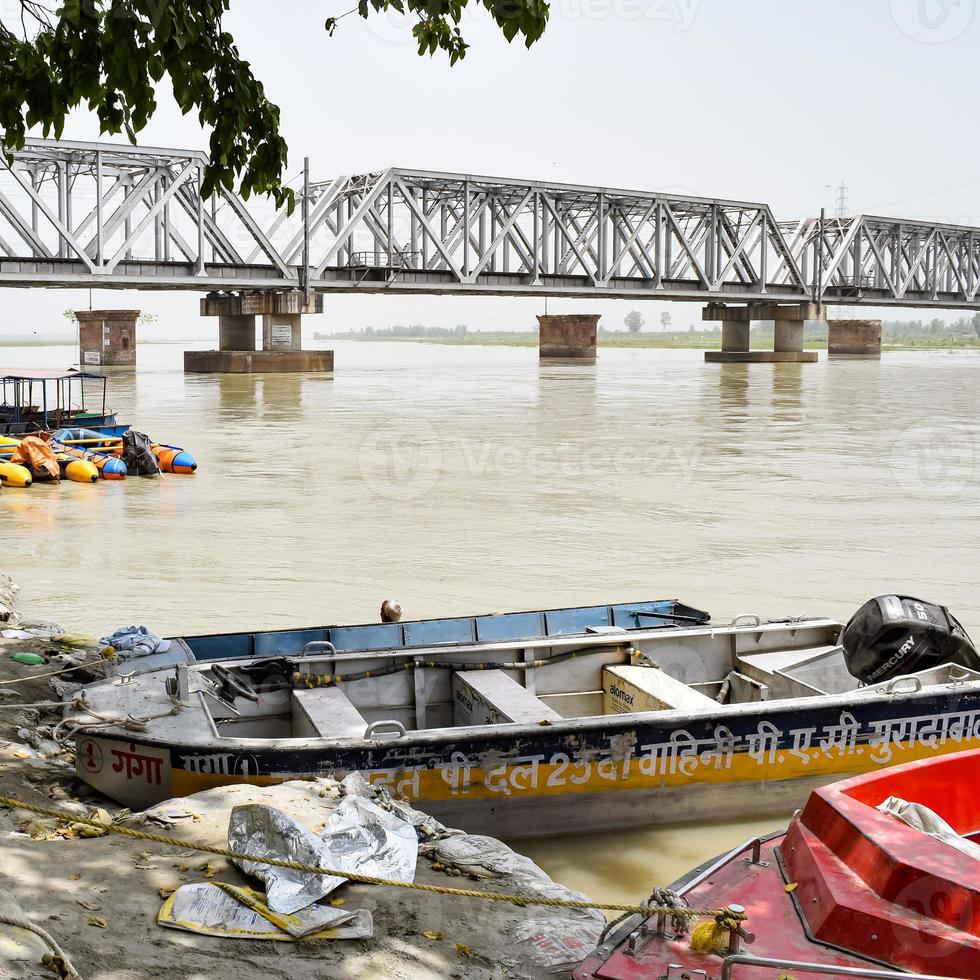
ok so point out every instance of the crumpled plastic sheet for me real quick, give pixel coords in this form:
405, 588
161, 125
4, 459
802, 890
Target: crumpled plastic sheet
41, 629
135, 641
267, 832
551, 940
358, 837
920, 817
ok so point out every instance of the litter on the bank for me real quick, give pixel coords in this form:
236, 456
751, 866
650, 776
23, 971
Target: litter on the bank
267, 832
361, 837
233, 912
130, 642
41, 629
79, 641
358, 837
56, 828
28, 659
15, 634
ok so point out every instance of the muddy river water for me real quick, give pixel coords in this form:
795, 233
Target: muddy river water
473, 479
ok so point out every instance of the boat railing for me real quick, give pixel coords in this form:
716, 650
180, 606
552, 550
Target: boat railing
754, 845
312, 654
825, 969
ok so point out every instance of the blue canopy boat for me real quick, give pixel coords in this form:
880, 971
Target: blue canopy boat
37, 399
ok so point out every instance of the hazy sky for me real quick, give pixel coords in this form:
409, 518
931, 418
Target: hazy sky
768, 100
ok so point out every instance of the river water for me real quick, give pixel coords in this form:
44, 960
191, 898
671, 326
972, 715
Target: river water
472, 479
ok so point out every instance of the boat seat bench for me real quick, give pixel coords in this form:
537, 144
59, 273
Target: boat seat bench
799, 673
325, 712
493, 697
629, 688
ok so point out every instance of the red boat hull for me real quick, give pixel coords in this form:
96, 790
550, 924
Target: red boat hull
847, 886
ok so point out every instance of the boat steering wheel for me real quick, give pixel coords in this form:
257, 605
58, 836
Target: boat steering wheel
233, 687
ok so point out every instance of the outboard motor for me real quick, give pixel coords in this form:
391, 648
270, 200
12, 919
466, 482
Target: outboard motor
896, 634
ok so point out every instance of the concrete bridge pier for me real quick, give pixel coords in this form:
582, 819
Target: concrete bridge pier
568, 336
854, 338
789, 322
282, 336
107, 338
735, 324
236, 331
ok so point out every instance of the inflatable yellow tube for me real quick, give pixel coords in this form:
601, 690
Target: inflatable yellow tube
111, 467
14, 475
78, 470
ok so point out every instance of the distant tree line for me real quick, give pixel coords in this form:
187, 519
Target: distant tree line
416, 330
412, 332
965, 326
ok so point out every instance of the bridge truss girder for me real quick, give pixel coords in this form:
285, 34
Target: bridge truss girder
95, 214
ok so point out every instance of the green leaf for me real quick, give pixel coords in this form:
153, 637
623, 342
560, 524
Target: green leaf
109, 54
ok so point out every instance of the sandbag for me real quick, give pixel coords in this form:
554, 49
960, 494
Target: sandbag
21, 951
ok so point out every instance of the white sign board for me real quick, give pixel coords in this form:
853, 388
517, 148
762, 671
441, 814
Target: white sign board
281, 335
93, 357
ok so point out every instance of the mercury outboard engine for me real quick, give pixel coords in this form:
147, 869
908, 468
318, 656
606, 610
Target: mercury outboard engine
896, 634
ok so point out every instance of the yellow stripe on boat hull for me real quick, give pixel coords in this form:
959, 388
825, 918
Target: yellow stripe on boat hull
454, 781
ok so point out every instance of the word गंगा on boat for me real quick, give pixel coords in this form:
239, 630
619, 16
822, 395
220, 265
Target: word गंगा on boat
532, 723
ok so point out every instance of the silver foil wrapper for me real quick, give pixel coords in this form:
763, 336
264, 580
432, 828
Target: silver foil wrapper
358, 837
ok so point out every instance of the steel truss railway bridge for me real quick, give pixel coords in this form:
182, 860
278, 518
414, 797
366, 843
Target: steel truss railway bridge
94, 214
105, 215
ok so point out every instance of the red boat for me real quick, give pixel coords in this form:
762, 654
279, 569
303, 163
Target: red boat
849, 890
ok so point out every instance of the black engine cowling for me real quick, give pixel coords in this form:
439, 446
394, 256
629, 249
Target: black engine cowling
896, 634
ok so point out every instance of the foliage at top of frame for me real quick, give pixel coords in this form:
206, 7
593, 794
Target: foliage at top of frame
108, 55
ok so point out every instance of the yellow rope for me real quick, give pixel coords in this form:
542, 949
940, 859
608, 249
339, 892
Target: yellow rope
713, 937
518, 900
